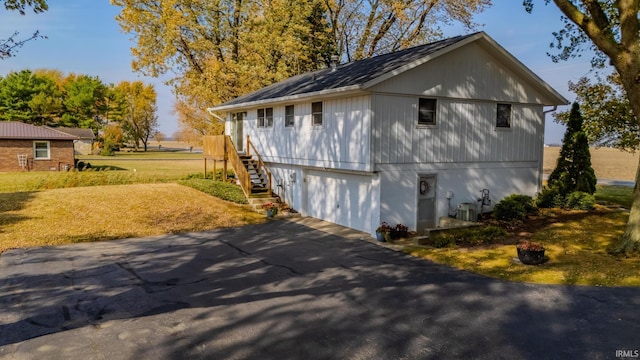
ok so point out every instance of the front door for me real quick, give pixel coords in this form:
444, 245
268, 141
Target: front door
237, 132
426, 190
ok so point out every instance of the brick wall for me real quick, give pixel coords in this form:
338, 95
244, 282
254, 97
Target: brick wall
61, 154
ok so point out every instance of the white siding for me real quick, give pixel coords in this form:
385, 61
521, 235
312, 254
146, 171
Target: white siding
464, 132
469, 72
399, 186
342, 142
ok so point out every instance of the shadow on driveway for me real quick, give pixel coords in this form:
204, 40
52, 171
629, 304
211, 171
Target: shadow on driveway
283, 290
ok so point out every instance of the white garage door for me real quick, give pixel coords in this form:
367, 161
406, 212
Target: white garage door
344, 199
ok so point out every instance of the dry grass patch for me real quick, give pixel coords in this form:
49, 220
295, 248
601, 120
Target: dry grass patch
576, 247
607, 163
63, 216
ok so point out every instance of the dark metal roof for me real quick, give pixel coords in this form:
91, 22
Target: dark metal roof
19, 130
356, 73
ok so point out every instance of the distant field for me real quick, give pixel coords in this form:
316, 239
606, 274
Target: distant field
607, 163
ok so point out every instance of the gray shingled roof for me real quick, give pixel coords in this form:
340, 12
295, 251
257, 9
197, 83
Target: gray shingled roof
355, 73
80, 133
19, 130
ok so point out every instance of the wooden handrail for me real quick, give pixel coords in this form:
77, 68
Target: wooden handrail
261, 164
236, 162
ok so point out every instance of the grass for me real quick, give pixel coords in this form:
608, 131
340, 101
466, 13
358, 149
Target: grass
82, 214
622, 195
222, 190
576, 245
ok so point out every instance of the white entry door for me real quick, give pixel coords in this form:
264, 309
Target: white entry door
426, 190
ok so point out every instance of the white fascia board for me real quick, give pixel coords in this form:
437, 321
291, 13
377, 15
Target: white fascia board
343, 91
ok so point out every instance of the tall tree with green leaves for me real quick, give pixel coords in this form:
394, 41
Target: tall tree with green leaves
9, 45
612, 29
573, 171
29, 98
139, 120
85, 101
608, 119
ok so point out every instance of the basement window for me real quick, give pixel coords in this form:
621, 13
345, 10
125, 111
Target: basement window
426, 111
265, 117
503, 117
316, 113
41, 150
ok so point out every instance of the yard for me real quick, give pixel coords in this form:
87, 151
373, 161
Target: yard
143, 194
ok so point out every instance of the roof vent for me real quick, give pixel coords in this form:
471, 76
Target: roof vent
334, 62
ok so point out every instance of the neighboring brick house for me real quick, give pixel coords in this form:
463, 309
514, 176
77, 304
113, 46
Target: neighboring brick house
83, 145
25, 147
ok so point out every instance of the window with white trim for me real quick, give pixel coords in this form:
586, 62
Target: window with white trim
503, 116
289, 117
316, 113
426, 111
265, 117
41, 150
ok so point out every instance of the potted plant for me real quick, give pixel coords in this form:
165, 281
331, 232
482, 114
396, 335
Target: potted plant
383, 232
530, 253
399, 232
270, 209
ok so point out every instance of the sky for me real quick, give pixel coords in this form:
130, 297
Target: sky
83, 37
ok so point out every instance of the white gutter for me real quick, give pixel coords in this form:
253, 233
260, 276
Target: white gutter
210, 111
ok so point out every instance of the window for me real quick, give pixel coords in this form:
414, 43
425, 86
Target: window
503, 117
426, 111
41, 150
289, 118
265, 117
316, 113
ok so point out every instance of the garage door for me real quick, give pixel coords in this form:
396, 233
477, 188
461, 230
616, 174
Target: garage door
344, 199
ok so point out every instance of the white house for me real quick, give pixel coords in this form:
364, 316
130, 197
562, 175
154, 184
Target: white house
403, 137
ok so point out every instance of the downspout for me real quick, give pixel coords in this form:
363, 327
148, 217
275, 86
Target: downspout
541, 157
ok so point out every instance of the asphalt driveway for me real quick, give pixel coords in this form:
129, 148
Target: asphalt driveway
284, 290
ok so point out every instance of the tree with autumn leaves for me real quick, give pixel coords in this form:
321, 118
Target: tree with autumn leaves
212, 51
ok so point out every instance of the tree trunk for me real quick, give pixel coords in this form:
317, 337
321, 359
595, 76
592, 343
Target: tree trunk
630, 242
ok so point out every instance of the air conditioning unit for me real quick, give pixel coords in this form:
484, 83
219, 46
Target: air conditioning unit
467, 212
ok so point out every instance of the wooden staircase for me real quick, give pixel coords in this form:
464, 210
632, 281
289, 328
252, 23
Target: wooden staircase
252, 174
258, 177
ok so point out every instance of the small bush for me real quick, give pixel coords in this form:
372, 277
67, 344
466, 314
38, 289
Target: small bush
525, 200
509, 209
550, 197
579, 200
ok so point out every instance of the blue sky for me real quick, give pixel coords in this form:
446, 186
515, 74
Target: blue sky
86, 39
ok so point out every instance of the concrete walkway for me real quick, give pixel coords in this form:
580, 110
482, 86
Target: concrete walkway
298, 289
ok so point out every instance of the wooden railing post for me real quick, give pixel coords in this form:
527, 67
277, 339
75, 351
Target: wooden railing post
248, 146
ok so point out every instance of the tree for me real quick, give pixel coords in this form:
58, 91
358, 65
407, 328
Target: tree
363, 29
139, 118
573, 171
608, 119
29, 98
612, 29
85, 101
219, 50
9, 45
